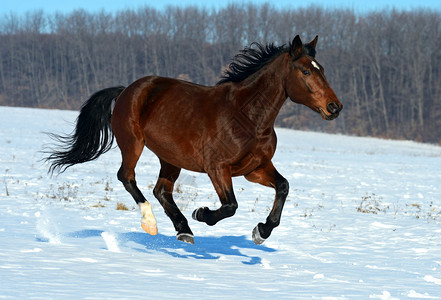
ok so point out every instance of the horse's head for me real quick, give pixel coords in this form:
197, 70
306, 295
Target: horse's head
306, 83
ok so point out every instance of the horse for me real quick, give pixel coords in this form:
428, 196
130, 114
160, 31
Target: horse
225, 130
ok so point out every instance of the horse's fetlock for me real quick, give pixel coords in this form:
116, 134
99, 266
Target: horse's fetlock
273, 221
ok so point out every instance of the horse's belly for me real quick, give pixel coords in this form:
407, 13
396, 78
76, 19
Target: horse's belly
176, 150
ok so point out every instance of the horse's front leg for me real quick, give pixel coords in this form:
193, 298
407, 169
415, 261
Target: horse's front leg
268, 176
221, 179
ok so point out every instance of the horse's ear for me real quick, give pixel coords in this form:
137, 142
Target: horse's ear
296, 47
313, 43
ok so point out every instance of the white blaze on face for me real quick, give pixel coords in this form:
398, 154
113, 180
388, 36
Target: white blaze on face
315, 65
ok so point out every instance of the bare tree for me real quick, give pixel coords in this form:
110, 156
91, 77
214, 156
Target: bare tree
384, 65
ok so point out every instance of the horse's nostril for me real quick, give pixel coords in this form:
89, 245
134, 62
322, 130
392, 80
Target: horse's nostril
333, 107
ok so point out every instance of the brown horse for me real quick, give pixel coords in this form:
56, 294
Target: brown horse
225, 130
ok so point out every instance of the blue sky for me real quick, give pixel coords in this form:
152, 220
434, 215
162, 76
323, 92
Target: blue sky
358, 6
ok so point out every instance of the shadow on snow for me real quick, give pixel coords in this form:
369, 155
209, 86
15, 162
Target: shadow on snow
204, 247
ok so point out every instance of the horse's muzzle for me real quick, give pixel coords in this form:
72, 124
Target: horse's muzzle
333, 108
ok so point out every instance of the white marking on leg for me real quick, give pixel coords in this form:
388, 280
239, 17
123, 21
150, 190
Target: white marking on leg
147, 214
315, 65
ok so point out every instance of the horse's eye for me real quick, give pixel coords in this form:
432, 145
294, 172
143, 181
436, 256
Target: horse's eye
306, 72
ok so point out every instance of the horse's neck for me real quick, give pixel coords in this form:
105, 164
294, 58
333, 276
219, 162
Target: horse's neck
265, 93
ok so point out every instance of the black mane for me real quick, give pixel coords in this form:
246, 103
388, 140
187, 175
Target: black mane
252, 59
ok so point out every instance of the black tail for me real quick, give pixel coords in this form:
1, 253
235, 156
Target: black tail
93, 134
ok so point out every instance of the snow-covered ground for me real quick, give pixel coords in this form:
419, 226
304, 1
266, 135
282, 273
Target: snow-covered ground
362, 220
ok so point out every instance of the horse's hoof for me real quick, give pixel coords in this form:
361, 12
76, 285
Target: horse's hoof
186, 238
150, 229
257, 238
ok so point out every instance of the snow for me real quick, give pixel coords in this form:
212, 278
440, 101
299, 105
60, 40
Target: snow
362, 220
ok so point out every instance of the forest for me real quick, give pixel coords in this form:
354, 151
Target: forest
385, 66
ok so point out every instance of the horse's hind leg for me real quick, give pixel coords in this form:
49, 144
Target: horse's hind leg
163, 191
268, 176
131, 148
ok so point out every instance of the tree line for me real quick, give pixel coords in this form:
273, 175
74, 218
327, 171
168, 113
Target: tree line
384, 66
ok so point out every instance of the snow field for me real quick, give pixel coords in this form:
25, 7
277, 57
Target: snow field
362, 220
